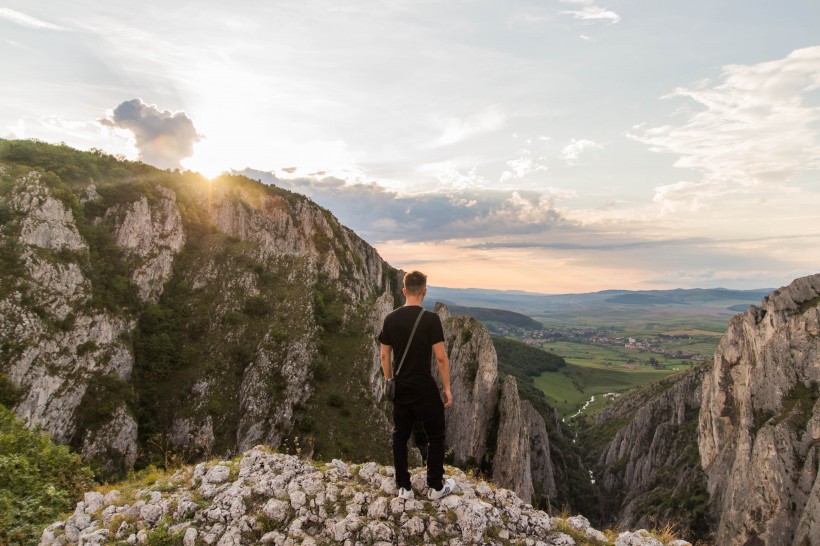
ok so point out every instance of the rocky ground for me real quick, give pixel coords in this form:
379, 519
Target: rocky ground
270, 498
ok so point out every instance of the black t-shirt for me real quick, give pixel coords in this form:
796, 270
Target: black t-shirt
415, 380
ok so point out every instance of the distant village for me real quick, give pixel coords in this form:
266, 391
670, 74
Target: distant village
599, 336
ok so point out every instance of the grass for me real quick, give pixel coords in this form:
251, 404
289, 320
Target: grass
641, 319
569, 389
594, 370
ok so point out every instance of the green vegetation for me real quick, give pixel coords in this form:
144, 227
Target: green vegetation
495, 318
569, 389
797, 406
806, 305
525, 363
74, 166
9, 393
638, 319
38, 480
332, 421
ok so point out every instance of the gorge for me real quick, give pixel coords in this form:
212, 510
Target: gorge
148, 313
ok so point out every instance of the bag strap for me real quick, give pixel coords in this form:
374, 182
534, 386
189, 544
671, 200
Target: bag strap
409, 341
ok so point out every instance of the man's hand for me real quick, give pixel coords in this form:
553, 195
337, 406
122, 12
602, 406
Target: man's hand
448, 398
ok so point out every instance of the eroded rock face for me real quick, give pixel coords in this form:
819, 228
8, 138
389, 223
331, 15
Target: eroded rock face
759, 433
55, 346
152, 233
522, 460
47, 223
542, 470
474, 384
511, 464
654, 456
60, 344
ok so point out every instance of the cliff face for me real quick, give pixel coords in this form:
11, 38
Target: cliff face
648, 468
488, 425
143, 310
759, 432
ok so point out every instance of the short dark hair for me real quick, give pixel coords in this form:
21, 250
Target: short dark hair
414, 282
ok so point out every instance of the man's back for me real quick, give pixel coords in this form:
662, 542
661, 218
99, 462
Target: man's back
415, 380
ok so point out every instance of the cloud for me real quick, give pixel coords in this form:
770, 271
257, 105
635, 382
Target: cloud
572, 152
163, 138
379, 214
687, 195
756, 128
590, 12
523, 165
27, 20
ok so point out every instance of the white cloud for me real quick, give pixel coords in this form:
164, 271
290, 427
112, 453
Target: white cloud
27, 20
593, 13
572, 152
522, 166
755, 130
687, 195
449, 176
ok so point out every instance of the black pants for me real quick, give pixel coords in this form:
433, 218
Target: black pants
430, 412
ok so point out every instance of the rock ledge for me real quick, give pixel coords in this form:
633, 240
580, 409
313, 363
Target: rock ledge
269, 498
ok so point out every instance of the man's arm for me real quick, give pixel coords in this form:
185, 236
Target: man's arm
386, 367
443, 364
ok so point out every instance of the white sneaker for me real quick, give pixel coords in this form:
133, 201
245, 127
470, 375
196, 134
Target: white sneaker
448, 487
406, 494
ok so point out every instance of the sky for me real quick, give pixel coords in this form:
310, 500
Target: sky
552, 146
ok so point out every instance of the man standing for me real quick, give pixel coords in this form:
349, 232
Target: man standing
417, 396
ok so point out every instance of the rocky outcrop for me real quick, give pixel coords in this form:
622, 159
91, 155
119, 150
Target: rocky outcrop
152, 233
542, 470
759, 432
649, 472
474, 383
511, 464
488, 426
283, 225
54, 346
47, 222
268, 498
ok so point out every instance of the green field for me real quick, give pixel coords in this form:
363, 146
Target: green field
642, 321
597, 370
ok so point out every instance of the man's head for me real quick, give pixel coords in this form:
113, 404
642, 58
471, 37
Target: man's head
415, 283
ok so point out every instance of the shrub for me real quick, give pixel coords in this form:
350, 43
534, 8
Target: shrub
9, 392
38, 480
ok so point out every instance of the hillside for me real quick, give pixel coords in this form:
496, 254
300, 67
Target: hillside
685, 308
145, 311
495, 318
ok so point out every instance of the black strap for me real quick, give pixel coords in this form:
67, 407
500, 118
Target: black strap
412, 333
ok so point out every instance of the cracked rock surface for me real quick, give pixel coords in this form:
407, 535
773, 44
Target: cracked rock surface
270, 498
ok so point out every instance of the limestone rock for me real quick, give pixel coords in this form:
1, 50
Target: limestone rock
656, 448
47, 222
114, 444
541, 467
153, 233
511, 465
474, 384
759, 436
302, 510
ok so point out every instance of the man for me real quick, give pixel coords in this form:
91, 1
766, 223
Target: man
417, 396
